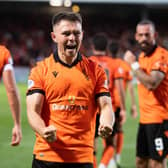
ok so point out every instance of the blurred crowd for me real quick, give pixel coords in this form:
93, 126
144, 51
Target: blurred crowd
29, 39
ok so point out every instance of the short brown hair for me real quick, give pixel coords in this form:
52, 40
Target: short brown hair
147, 22
70, 16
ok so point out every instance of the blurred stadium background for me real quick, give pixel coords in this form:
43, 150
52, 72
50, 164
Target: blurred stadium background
26, 23
25, 28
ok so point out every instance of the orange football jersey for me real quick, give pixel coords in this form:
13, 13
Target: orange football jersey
70, 94
125, 70
113, 71
5, 58
153, 103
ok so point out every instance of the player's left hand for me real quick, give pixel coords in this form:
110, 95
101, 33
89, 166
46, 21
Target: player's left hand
129, 57
122, 117
16, 135
104, 131
134, 112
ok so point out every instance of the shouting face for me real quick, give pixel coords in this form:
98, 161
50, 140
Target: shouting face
68, 36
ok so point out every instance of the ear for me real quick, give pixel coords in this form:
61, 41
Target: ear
53, 36
82, 34
136, 36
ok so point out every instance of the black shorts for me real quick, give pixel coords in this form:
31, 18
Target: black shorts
166, 132
151, 142
44, 164
97, 125
117, 121
166, 127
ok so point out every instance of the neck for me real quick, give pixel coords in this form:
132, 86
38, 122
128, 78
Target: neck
151, 50
113, 55
67, 59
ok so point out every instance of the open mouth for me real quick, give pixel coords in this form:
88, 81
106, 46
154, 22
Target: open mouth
71, 47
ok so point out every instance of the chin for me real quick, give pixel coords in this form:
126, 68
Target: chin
144, 48
71, 54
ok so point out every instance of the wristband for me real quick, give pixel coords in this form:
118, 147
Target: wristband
135, 66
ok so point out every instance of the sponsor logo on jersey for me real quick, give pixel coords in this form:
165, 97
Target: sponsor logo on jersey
69, 107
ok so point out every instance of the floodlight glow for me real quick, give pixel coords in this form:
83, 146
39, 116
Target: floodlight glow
55, 2
67, 3
75, 8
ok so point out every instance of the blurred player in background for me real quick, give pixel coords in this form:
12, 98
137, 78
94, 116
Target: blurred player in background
115, 79
127, 80
63, 95
7, 73
152, 74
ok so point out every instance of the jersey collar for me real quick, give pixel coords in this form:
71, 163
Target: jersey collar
57, 59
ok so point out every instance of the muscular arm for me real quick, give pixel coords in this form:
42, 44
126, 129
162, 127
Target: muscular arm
106, 116
34, 109
14, 103
132, 96
13, 95
151, 81
119, 83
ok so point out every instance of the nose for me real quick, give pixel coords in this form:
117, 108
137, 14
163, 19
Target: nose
144, 37
72, 36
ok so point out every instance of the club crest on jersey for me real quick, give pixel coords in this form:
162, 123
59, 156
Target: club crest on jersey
71, 99
30, 83
55, 73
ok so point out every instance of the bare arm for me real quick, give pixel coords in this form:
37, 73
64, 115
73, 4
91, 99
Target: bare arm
132, 96
151, 81
34, 108
119, 83
106, 116
14, 103
121, 91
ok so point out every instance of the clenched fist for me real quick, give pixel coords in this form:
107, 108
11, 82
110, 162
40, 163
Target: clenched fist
49, 133
129, 57
104, 131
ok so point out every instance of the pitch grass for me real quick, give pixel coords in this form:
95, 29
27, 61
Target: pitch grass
14, 157
21, 156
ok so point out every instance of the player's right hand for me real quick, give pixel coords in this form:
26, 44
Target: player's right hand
49, 133
104, 131
16, 135
129, 57
134, 112
122, 116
